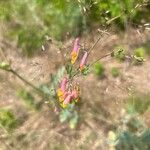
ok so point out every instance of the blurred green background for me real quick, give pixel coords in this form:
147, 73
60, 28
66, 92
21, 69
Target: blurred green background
29, 21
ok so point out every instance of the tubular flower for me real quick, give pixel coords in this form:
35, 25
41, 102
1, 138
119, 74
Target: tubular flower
67, 99
61, 92
71, 97
75, 51
83, 61
63, 84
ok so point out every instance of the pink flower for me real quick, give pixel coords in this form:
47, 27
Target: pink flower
67, 99
76, 45
61, 92
74, 94
75, 51
83, 61
71, 96
63, 84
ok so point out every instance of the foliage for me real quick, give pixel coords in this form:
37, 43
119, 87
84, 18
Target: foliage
28, 98
30, 21
119, 53
86, 70
4, 66
115, 72
99, 69
131, 134
33, 20
7, 119
136, 136
138, 103
128, 140
138, 57
69, 115
30, 39
139, 52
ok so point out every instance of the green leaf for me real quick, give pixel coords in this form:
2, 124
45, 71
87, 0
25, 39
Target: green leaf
139, 52
64, 115
4, 66
69, 69
73, 121
115, 72
28, 98
119, 53
99, 69
8, 119
86, 70
138, 60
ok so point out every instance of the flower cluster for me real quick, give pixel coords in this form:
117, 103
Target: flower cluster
67, 93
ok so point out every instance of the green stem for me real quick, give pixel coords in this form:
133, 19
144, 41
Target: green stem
106, 55
92, 47
24, 80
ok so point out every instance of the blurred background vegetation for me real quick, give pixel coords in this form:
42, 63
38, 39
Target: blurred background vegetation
29, 21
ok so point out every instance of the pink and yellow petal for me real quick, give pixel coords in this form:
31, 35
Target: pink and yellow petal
74, 57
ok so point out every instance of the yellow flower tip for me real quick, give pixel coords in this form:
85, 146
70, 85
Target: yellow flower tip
112, 136
63, 105
60, 95
76, 100
74, 56
61, 98
81, 68
59, 92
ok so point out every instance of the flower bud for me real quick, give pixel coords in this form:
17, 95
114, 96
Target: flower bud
74, 94
67, 99
83, 61
63, 84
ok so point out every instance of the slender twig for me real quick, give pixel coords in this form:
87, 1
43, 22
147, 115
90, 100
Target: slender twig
92, 47
24, 80
106, 55
76, 73
113, 19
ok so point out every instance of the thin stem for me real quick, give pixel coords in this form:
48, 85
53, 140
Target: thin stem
113, 19
24, 80
76, 73
92, 47
106, 55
